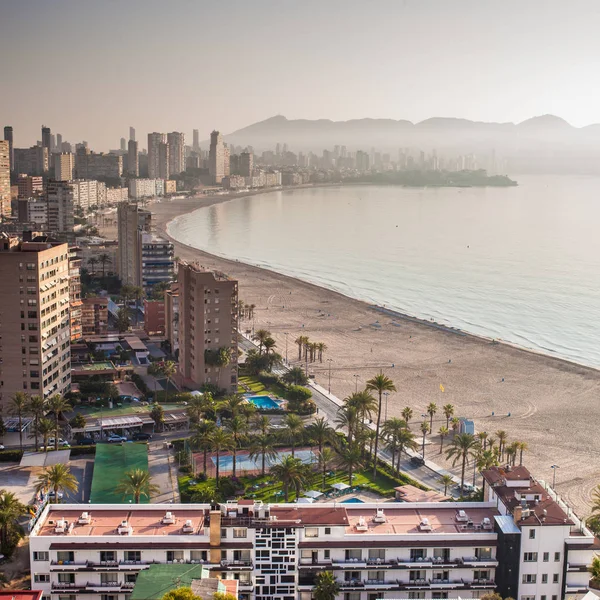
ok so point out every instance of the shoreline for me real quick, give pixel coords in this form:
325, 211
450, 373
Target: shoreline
485, 379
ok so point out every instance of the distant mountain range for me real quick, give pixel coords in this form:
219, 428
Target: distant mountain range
541, 144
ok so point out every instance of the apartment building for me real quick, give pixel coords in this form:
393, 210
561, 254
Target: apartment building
89, 165
133, 161
172, 316
115, 195
156, 261
94, 316
29, 186
208, 320
216, 157
154, 166
176, 143
64, 166
75, 292
5, 209
32, 161
33, 210
146, 188
60, 197
131, 222
154, 317
34, 318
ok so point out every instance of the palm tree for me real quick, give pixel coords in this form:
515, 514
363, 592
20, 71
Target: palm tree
320, 432
262, 447
197, 406
443, 432
57, 478
448, 410
406, 440
326, 458
104, 259
502, 437
431, 410
351, 459
407, 415
321, 347
260, 336
380, 383
37, 409
326, 586
136, 483
11, 511
290, 471
169, 369
262, 423
424, 430
45, 427
462, 447
19, 405
251, 310
486, 459
220, 440
390, 430
347, 417
202, 438
511, 452
300, 342
294, 427
446, 480
482, 436
58, 405
231, 406
269, 344
238, 428
455, 424
93, 261
522, 447
295, 376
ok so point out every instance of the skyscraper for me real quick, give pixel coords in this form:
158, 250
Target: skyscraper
5, 179
133, 162
246, 164
64, 164
8, 136
132, 134
176, 142
123, 145
131, 222
196, 145
163, 160
216, 157
154, 141
59, 142
47, 138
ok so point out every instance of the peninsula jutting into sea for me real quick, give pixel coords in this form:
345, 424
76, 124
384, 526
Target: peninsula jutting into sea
432, 178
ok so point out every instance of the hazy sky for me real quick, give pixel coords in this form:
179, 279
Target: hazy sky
89, 68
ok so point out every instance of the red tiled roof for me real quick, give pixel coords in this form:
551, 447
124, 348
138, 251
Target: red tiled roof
327, 515
20, 595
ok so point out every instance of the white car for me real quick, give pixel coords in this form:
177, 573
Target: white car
113, 438
1, 448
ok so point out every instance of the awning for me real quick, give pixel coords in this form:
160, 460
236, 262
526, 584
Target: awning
313, 494
304, 500
340, 486
45, 459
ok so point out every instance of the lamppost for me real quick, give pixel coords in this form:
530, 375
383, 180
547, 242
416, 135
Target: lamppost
386, 394
554, 467
330, 360
286, 347
356, 383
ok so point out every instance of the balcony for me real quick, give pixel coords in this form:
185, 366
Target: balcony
244, 564
309, 562
352, 584
67, 565
58, 585
350, 563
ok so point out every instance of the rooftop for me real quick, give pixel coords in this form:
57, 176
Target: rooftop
20, 594
155, 581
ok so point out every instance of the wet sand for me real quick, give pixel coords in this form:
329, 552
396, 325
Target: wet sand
553, 404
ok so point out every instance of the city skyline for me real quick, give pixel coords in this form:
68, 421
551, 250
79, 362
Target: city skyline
424, 59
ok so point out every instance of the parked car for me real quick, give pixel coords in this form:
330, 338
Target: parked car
51, 495
140, 436
1, 447
418, 461
86, 441
113, 438
61, 443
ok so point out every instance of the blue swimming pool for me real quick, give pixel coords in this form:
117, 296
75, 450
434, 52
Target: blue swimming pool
263, 401
245, 463
352, 501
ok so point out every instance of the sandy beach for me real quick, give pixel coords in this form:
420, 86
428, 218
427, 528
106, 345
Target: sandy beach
551, 402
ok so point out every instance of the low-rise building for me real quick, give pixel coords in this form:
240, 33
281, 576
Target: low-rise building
170, 186
233, 182
116, 195
94, 316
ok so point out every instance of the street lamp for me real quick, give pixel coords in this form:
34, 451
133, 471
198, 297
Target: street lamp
386, 394
356, 383
330, 360
554, 467
286, 347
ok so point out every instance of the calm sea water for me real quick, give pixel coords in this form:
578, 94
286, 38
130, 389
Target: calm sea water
520, 264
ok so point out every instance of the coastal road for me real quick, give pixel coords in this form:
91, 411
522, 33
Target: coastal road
328, 405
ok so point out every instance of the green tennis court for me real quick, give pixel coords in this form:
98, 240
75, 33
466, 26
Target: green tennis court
112, 460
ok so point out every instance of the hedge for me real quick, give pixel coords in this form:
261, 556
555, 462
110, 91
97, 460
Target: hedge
81, 450
11, 455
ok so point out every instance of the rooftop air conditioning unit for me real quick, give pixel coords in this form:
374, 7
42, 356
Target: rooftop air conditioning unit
168, 519
124, 528
486, 523
362, 525
61, 526
424, 525
188, 526
85, 519
462, 516
379, 516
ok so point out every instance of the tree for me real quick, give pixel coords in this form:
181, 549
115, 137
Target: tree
502, 437
231, 406
104, 259
424, 430
455, 421
293, 429
297, 393
123, 321
446, 480
301, 341
482, 436
391, 430
326, 586
262, 423
347, 418
199, 406
19, 404
261, 447
522, 446
260, 336
290, 471
269, 344
486, 459
321, 347
407, 415
492, 596
326, 458
220, 440
78, 421
44, 428
350, 459
462, 447
181, 593
92, 262
320, 432
157, 414
380, 383
136, 483
431, 410
11, 511
238, 429
448, 411
511, 452
57, 478
223, 596
58, 406
406, 440
169, 368
443, 432
295, 376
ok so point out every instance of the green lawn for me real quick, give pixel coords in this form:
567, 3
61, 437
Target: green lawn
259, 388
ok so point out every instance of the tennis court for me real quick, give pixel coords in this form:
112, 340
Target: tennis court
112, 460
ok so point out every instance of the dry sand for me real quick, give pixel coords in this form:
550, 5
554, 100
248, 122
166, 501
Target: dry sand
552, 403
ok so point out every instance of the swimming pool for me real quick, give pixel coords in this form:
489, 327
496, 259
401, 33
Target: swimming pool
245, 463
263, 401
352, 501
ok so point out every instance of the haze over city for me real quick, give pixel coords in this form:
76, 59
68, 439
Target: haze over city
183, 65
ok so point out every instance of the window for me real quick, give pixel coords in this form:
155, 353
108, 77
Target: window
327, 530
130, 577
41, 577
326, 554
530, 557
554, 597
543, 597
377, 554
41, 556
240, 532
66, 578
527, 597
481, 574
529, 578
109, 578
311, 532
546, 556
376, 576
65, 556
532, 534
306, 553
174, 555
555, 578
544, 577
197, 555
557, 557
418, 553
354, 554
108, 556
444, 553
133, 556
